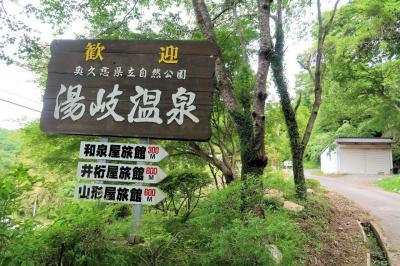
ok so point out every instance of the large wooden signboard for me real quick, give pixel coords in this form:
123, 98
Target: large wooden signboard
152, 89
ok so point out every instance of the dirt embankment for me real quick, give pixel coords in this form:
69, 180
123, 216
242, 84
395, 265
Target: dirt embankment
342, 240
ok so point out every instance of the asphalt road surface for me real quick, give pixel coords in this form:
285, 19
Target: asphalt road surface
385, 206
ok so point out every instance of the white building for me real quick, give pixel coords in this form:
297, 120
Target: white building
358, 156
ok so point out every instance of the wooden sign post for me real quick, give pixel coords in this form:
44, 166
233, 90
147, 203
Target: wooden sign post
122, 152
139, 173
150, 89
144, 89
120, 193
128, 173
137, 210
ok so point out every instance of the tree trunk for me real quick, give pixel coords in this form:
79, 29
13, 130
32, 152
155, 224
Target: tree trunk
226, 169
252, 164
298, 146
250, 126
249, 122
287, 109
260, 159
317, 77
298, 174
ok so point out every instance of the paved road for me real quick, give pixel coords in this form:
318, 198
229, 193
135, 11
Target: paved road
384, 205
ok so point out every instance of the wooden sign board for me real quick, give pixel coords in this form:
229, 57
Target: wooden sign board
128, 173
122, 152
152, 89
119, 194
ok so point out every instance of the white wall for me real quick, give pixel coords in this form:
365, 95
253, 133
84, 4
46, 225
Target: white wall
351, 161
365, 161
329, 161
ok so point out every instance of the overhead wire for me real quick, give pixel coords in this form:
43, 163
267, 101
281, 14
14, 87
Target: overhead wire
20, 96
20, 105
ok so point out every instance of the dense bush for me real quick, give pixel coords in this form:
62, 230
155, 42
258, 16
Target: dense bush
217, 232
184, 190
75, 238
13, 185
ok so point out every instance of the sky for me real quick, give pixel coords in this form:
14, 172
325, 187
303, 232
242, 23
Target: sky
17, 84
17, 87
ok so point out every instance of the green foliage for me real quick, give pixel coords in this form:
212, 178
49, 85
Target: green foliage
219, 209
323, 140
229, 37
184, 189
279, 180
252, 194
59, 154
8, 149
95, 234
313, 184
179, 158
53, 157
312, 164
304, 86
220, 236
361, 82
276, 137
78, 233
13, 185
244, 83
77, 237
272, 204
232, 246
164, 244
390, 183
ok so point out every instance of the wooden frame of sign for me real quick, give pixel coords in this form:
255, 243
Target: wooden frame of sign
152, 89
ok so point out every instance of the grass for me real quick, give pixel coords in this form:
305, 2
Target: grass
279, 180
216, 229
218, 232
311, 165
312, 222
378, 257
390, 183
320, 173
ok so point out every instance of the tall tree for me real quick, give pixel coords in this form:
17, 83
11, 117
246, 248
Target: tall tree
298, 144
249, 118
361, 77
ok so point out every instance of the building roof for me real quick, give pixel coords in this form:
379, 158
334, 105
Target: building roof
359, 141
363, 140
